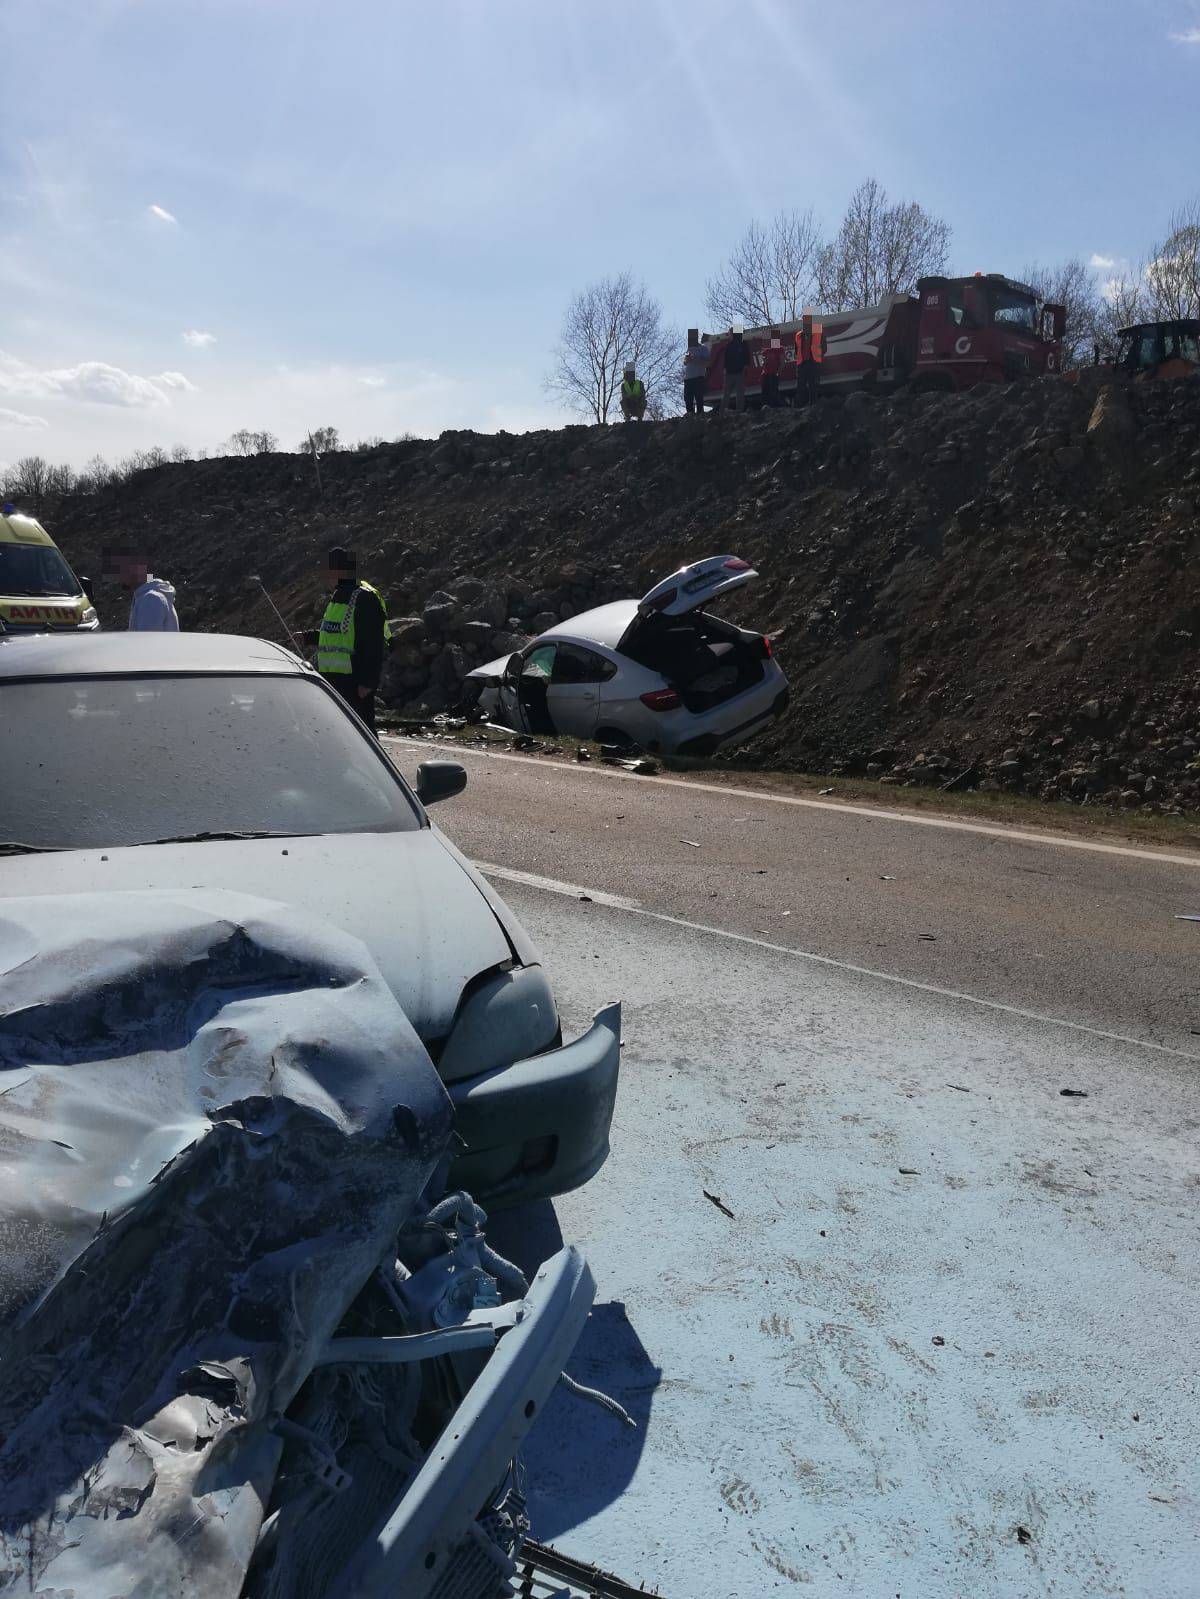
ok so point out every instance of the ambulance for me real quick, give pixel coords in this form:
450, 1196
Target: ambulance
39, 593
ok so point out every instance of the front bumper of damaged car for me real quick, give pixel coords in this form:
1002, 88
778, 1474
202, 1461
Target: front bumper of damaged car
432, 1542
539, 1127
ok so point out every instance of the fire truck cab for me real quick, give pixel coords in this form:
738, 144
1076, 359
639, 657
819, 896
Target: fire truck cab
983, 330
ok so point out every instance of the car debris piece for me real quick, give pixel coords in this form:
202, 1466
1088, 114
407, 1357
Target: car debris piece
544, 1569
1187, 918
715, 1199
1073, 1093
929, 938
691, 842
909, 1171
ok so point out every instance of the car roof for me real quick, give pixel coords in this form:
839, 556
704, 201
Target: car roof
105, 654
605, 625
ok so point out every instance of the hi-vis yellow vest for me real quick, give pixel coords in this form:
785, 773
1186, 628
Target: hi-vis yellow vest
335, 651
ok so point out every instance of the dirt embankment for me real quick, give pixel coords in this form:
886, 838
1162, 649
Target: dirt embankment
998, 586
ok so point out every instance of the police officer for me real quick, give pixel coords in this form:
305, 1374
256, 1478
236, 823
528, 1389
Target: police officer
353, 636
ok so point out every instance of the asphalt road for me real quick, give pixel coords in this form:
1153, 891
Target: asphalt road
1083, 934
937, 1336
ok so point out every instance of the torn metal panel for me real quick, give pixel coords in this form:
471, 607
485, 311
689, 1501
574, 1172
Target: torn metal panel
214, 1118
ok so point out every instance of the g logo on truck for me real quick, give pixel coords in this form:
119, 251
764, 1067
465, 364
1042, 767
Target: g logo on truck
962, 346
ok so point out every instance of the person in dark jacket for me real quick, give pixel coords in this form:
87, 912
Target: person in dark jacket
353, 637
737, 356
771, 361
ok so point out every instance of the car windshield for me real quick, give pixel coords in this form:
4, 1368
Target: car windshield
133, 760
35, 569
1013, 310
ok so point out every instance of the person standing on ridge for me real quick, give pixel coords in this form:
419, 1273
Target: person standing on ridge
633, 395
353, 637
811, 349
772, 362
737, 356
695, 373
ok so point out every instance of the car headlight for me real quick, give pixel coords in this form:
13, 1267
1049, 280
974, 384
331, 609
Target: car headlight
503, 1016
89, 617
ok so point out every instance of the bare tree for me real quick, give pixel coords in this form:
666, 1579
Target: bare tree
29, 476
1122, 302
608, 324
771, 275
180, 452
96, 475
1071, 284
246, 442
1171, 277
880, 248
321, 439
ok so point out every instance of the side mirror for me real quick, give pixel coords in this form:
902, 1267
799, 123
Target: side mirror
439, 780
85, 583
513, 667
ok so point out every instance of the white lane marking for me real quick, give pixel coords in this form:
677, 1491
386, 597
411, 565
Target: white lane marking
871, 812
552, 885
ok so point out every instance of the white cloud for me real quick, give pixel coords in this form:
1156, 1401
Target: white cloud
1189, 36
20, 419
1103, 263
94, 381
371, 380
198, 340
163, 215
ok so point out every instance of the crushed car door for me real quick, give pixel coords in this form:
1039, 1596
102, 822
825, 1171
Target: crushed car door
695, 585
575, 689
532, 689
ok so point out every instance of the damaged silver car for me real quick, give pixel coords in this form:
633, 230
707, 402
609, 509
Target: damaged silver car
661, 673
166, 761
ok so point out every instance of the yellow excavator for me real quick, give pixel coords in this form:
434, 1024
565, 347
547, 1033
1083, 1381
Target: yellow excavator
1152, 351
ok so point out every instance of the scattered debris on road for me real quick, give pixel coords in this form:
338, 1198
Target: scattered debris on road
690, 842
958, 1088
909, 1171
1073, 1093
716, 1200
938, 1341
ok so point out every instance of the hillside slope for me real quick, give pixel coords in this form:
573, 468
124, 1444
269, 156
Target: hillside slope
999, 584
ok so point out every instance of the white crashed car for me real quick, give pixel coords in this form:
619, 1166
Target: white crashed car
661, 672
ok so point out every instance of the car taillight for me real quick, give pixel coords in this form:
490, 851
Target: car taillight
766, 647
734, 564
661, 699
661, 601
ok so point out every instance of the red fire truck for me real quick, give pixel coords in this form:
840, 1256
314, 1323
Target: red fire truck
952, 333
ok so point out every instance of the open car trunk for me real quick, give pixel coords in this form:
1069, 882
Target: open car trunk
707, 661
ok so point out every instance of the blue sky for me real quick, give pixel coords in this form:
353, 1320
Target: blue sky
371, 213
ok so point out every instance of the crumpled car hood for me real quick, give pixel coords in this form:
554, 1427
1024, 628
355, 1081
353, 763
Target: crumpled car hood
424, 919
214, 1118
